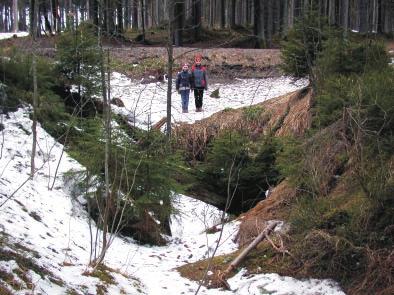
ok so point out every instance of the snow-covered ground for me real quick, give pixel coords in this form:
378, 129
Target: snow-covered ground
10, 35
55, 225
148, 102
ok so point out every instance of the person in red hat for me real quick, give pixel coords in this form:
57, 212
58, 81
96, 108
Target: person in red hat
199, 78
183, 85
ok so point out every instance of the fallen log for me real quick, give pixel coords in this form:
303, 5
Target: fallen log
233, 265
160, 124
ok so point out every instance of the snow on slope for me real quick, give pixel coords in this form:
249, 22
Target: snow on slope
149, 101
54, 225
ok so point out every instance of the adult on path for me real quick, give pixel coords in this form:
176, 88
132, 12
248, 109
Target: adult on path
184, 86
199, 77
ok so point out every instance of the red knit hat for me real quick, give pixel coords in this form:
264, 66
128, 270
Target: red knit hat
197, 58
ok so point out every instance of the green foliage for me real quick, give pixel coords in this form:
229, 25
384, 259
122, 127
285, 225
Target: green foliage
79, 57
249, 167
140, 173
340, 230
252, 113
18, 78
290, 160
215, 93
154, 168
17, 75
347, 56
303, 44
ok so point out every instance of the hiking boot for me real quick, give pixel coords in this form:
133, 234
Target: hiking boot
185, 111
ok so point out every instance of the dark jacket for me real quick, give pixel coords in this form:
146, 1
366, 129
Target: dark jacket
184, 81
199, 77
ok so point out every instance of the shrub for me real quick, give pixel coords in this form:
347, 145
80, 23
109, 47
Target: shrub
249, 167
79, 58
303, 44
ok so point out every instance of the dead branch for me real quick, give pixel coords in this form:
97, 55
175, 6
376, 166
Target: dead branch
233, 265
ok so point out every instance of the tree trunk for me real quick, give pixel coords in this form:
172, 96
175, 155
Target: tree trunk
331, 12
259, 27
291, 9
345, 17
15, 26
47, 23
179, 21
107, 128
126, 14
34, 125
223, 14
196, 19
234, 264
170, 64
232, 13
119, 16
364, 16
269, 21
142, 7
134, 16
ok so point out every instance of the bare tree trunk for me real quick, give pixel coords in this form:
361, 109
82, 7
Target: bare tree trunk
15, 26
223, 14
170, 64
196, 19
134, 16
375, 14
179, 21
234, 264
345, 17
291, 9
107, 118
364, 16
269, 21
232, 13
126, 14
331, 12
259, 28
143, 19
34, 125
119, 15
1, 16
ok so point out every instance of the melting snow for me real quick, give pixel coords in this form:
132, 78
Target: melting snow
54, 224
148, 102
10, 35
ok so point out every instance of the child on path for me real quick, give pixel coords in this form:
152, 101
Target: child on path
199, 78
184, 86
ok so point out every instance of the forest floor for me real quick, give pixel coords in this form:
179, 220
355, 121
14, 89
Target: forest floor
137, 61
140, 61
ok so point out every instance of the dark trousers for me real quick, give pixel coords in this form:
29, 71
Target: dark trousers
198, 96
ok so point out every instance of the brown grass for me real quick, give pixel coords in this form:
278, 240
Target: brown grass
276, 206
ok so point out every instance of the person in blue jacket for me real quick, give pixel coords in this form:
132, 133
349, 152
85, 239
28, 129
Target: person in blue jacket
184, 86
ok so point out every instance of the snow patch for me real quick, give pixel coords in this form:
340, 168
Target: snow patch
10, 35
146, 104
55, 225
